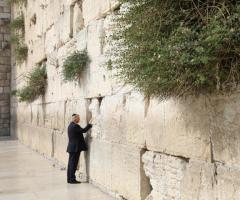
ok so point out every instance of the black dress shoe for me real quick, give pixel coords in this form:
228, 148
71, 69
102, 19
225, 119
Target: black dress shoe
74, 182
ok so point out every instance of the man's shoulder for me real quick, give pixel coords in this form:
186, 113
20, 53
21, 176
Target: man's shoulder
71, 125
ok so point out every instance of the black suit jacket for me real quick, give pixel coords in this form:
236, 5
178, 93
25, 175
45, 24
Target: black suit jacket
76, 140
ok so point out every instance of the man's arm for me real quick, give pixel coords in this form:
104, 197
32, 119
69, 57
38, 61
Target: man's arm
87, 128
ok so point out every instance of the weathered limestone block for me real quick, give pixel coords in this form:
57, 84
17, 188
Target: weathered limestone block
78, 20
95, 9
98, 82
100, 169
64, 26
165, 173
115, 168
123, 113
34, 115
24, 114
54, 9
126, 166
45, 136
81, 39
96, 33
53, 91
134, 118
52, 39
228, 183
177, 178
59, 147
33, 31
111, 119
36, 52
224, 117
29, 135
21, 133
178, 128
198, 181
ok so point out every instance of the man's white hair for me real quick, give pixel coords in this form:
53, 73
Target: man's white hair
74, 117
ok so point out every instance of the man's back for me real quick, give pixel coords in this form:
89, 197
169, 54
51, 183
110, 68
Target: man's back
76, 140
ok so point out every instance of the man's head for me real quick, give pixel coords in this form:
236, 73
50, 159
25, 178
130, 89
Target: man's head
75, 118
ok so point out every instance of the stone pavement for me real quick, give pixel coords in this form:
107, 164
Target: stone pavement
26, 175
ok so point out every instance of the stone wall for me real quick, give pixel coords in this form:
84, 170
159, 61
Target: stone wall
5, 69
138, 148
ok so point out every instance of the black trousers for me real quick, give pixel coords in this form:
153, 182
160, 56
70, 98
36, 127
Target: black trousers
72, 165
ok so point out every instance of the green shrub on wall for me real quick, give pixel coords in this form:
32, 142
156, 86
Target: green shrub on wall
18, 2
14, 39
36, 85
74, 65
21, 52
18, 23
178, 47
17, 38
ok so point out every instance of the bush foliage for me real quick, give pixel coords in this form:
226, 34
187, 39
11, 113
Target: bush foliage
178, 47
36, 85
74, 65
18, 2
21, 52
17, 38
18, 23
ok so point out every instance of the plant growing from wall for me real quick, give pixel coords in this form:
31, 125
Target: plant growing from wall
17, 24
17, 38
74, 65
36, 85
21, 52
14, 39
18, 2
178, 47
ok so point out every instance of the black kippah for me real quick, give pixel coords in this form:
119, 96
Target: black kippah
74, 115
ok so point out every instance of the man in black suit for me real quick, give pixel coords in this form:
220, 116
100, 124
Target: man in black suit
76, 144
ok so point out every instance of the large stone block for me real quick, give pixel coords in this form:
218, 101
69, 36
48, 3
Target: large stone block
224, 116
52, 39
115, 168
228, 183
165, 173
77, 18
179, 128
64, 26
198, 181
24, 114
110, 119
45, 136
37, 138
95, 9
59, 147
177, 178
36, 52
